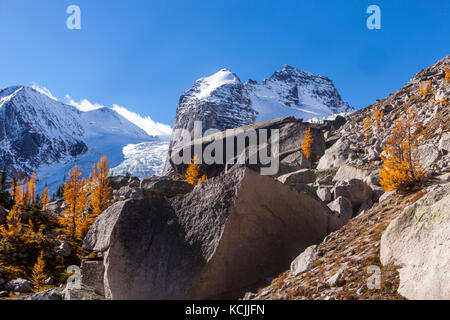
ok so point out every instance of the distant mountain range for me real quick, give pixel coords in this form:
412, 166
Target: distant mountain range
40, 134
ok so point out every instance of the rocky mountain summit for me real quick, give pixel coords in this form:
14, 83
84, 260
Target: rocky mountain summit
317, 228
223, 102
40, 134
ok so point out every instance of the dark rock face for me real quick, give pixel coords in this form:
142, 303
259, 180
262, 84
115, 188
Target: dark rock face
3, 215
227, 235
165, 188
117, 182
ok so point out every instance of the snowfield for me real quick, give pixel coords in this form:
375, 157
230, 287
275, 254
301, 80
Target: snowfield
143, 159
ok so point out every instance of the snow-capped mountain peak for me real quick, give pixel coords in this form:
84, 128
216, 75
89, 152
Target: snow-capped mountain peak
295, 92
38, 133
204, 87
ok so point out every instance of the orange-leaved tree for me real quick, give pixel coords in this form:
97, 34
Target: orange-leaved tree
447, 74
45, 198
13, 228
38, 276
401, 169
425, 91
307, 144
73, 222
378, 114
31, 186
367, 125
193, 171
101, 193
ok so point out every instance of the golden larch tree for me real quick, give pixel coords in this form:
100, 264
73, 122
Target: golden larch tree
378, 114
38, 276
75, 197
101, 191
307, 144
13, 227
447, 74
193, 171
45, 198
31, 186
401, 168
14, 189
367, 126
425, 91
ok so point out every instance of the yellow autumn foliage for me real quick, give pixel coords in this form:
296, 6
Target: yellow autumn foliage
193, 171
425, 90
378, 114
101, 191
38, 276
74, 221
307, 144
367, 126
401, 168
45, 198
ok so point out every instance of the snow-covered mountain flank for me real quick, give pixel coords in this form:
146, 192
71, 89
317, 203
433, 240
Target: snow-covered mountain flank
222, 101
40, 134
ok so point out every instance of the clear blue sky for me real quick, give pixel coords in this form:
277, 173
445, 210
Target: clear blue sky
144, 54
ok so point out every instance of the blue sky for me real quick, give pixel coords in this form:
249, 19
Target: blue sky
144, 54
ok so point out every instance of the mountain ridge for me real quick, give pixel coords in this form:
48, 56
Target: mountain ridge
38, 133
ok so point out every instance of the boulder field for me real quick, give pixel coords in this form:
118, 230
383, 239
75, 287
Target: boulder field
218, 241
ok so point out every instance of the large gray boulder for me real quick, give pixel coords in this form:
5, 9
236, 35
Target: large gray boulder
303, 176
444, 143
56, 208
305, 261
218, 241
428, 155
118, 182
324, 194
165, 187
418, 241
296, 159
357, 191
343, 208
347, 172
19, 285
335, 156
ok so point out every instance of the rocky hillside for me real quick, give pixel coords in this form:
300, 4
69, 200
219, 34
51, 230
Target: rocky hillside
434, 114
405, 236
343, 266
